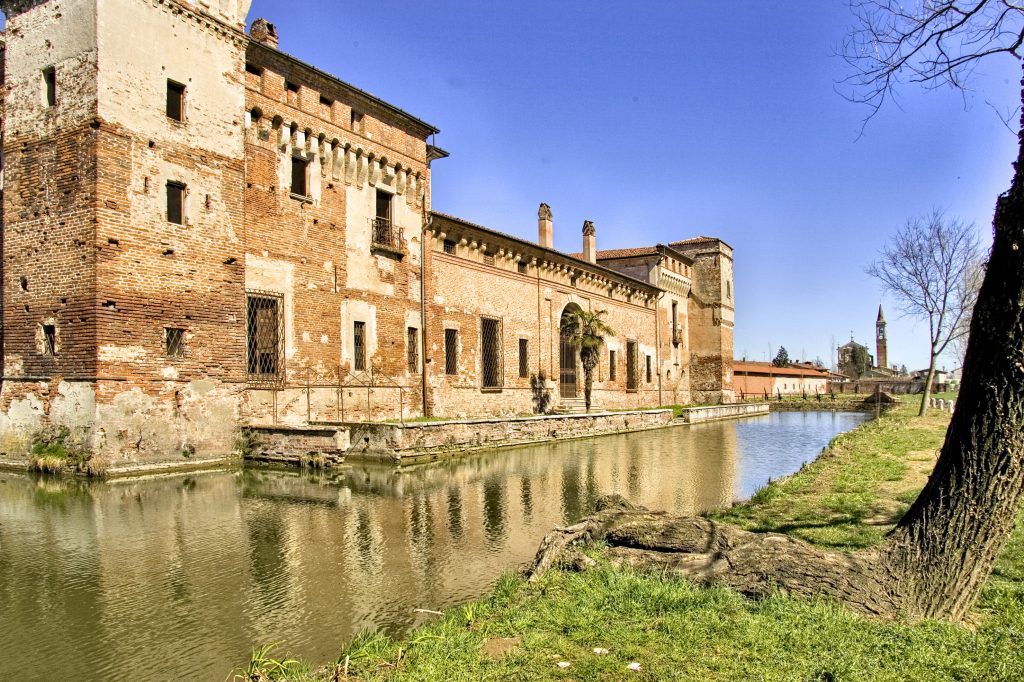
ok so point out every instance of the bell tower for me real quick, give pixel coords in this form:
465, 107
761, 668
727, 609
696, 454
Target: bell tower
881, 351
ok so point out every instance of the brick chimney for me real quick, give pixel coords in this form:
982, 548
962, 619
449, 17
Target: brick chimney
546, 235
589, 242
262, 31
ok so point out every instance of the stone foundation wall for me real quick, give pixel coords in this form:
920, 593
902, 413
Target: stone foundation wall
434, 440
695, 415
317, 446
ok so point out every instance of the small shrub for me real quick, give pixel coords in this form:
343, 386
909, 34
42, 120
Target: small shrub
263, 667
246, 442
47, 464
54, 450
541, 394
314, 460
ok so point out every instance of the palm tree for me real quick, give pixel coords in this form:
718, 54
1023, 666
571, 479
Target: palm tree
586, 331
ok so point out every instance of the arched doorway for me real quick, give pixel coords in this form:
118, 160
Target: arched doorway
567, 357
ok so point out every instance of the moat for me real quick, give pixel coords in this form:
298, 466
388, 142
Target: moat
177, 577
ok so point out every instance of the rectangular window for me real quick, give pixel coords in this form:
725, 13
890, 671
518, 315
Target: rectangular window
524, 358
648, 372
449, 246
490, 347
675, 321
175, 202
50, 86
359, 346
291, 92
413, 341
612, 368
383, 206
174, 342
631, 366
253, 69
451, 351
521, 267
264, 338
299, 177
175, 101
488, 258
356, 121
49, 339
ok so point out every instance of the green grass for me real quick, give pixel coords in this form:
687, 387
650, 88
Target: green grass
846, 499
857, 489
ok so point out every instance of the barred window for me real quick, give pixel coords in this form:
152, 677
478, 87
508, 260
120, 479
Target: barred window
264, 338
648, 369
413, 340
359, 346
631, 366
488, 258
611, 365
174, 342
451, 351
521, 267
524, 358
490, 347
449, 246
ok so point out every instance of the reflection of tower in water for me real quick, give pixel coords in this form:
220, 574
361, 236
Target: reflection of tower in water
526, 497
494, 509
455, 512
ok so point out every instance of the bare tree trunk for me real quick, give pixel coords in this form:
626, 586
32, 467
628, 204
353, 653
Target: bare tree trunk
944, 546
936, 560
927, 385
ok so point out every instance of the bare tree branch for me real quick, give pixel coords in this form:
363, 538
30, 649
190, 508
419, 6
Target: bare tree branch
927, 267
928, 42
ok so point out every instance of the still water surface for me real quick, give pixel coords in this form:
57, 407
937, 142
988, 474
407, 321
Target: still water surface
176, 577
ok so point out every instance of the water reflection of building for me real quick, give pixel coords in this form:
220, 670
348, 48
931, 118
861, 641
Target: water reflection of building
218, 561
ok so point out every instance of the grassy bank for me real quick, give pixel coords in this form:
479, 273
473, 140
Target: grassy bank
847, 499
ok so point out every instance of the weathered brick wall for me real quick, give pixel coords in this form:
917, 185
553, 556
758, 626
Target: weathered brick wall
115, 273
711, 316
48, 214
318, 252
467, 285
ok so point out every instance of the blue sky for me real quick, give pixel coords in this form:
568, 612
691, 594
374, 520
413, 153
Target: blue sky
665, 120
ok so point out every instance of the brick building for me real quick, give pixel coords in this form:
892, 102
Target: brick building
214, 233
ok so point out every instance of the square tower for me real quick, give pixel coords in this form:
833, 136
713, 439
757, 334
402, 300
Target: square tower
123, 280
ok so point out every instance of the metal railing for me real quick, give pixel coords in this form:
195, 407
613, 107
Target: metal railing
387, 235
367, 396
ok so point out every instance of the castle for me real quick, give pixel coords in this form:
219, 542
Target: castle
202, 232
